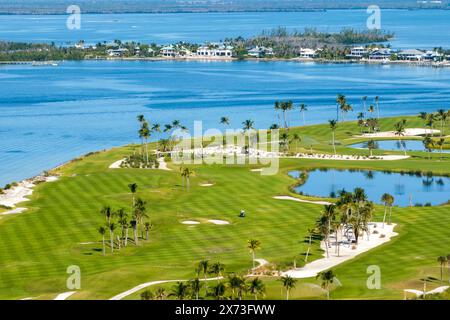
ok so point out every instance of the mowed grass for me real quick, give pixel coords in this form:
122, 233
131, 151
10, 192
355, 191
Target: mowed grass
60, 227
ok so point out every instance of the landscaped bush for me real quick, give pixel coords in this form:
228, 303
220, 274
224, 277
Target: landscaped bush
140, 161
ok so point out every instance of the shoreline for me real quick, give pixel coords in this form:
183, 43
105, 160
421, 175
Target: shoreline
234, 59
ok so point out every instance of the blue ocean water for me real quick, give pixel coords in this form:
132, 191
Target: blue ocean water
49, 115
413, 28
406, 189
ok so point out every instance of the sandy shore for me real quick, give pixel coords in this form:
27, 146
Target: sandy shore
347, 251
21, 192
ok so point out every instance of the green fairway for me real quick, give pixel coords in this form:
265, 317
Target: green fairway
59, 228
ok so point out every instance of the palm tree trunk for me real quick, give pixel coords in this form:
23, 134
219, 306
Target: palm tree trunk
334, 145
104, 247
384, 217
111, 238
253, 256
126, 236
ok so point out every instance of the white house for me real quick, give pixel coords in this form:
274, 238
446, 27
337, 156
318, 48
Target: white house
411, 55
168, 51
259, 52
357, 53
116, 52
432, 55
308, 53
215, 51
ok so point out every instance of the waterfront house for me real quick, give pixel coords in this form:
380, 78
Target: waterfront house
215, 50
432, 56
380, 54
411, 55
260, 52
116, 52
168, 51
308, 53
357, 53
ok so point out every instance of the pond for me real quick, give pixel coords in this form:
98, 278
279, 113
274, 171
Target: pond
407, 188
396, 145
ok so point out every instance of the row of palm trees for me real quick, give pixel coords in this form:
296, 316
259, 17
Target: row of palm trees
440, 115
120, 219
444, 261
351, 212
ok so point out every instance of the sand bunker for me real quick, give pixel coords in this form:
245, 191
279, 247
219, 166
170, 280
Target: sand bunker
221, 222
301, 200
190, 222
206, 184
410, 132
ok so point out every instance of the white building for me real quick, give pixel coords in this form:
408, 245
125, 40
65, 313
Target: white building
215, 51
380, 54
116, 52
308, 53
260, 52
168, 51
357, 53
411, 55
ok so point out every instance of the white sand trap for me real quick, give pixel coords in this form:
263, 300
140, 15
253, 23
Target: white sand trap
301, 200
14, 211
434, 291
64, 296
116, 165
346, 252
190, 222
256, 170
221, 222
206, 184
410, 132
261, 262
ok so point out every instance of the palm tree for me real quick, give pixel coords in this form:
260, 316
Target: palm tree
442, 261
253, 245
388, 200
160, 294
442, 115
428, 143
285, 107
147, 295
147, 227
141, 120
236, 283
371, 145
400, 131
377, 103
123, 222
296, 138
310, 234
203, 266
345, 108
364, 100
284, 141
224, 121
186, 175
289, 284
430, 122
424, 117
440, 143
112, 227
133, 224
247, 125
371, 109
133, 188
327, 278
216, 269
333, 126
218, 291
108, 213
303, 109
195, 286
102, 231
256, 287
180, 290
139, 213
340, 101
144, 133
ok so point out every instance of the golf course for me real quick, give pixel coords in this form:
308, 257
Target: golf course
191, 213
